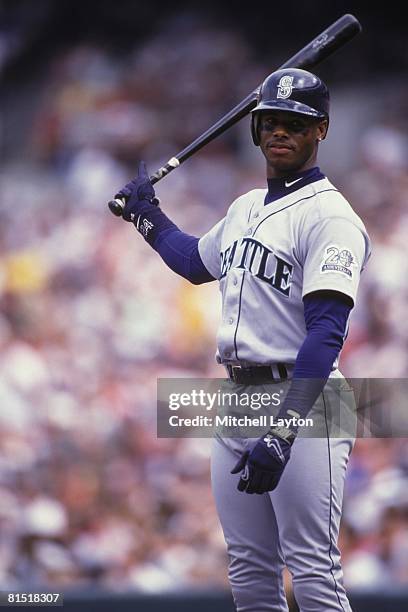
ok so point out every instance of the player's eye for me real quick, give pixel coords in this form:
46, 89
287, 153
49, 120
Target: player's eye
292, 125
297, 126
268, 124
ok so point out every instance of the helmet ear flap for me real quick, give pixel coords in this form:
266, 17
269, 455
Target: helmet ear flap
255, 128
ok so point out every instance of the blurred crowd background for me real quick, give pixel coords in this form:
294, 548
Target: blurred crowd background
90, 317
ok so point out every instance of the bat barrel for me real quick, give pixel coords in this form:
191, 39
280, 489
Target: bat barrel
334, 37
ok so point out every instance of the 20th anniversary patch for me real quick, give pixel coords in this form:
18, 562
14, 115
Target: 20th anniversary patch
338, 259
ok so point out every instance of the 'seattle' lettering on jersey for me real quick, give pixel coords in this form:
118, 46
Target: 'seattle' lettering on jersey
267, 257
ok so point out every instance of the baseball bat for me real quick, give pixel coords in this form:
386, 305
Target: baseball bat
331, 39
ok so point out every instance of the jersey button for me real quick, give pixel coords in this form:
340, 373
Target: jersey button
235, 281
230, 320
256, 215
227, 354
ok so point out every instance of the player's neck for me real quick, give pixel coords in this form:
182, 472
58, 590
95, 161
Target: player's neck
279, 187
277, 181
273, 172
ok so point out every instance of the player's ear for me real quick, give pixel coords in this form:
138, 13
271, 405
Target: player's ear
322, 128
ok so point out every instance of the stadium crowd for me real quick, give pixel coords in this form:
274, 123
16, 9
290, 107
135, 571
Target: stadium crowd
90, 318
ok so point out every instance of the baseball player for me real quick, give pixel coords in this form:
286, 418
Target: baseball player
288, 258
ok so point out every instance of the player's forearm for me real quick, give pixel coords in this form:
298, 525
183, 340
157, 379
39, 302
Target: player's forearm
326, 318
177, 249
312, 368
180, 252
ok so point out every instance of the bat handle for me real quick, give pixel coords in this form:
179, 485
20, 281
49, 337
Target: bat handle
116, 206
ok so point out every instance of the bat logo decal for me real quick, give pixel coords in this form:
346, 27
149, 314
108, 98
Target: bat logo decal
320, 40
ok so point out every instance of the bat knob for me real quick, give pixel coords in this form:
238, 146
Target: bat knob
116, 207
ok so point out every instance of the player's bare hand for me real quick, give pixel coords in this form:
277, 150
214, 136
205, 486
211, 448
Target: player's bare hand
263, 467
138, 194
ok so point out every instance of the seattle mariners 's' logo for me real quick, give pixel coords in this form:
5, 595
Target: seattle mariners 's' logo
285, 86
338, 260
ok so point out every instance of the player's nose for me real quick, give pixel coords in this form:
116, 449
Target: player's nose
279, 130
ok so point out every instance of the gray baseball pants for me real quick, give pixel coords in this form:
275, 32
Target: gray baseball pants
296, 525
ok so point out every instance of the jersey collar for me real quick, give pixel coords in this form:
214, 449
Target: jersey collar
280, 187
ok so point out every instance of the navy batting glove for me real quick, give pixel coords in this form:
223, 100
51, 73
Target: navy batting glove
263, 467
138, 194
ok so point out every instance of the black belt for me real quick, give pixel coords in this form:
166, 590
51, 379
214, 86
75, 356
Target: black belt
253, 375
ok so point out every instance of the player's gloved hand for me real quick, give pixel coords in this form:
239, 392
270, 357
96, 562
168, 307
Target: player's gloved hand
139, 195
262, 467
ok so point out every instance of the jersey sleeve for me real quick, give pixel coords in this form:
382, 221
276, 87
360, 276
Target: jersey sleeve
337, 251
209, 248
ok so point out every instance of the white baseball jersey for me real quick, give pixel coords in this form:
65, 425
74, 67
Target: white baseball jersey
268, 257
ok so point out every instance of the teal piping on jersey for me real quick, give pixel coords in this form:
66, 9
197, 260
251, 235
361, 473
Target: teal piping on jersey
240, 296
274, 212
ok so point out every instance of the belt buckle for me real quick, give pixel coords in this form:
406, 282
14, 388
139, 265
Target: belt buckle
233, 368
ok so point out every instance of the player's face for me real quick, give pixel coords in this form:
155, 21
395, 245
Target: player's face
289, 141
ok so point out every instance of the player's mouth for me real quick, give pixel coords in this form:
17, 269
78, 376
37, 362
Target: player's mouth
280, 148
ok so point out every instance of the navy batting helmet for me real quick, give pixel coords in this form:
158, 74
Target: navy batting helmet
294, 90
